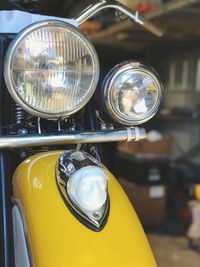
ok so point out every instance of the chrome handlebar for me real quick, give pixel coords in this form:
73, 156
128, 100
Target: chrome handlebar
133, 15
128, 134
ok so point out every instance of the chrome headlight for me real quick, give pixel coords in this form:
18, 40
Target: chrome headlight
132, 93
51, 69
83, 184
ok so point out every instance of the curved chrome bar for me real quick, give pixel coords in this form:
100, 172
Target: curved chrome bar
128, 134
133, 15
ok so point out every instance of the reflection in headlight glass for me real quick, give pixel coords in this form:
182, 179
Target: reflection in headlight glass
134, 94
53, 70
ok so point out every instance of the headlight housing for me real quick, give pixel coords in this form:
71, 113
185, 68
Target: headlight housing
132, 93
51, 69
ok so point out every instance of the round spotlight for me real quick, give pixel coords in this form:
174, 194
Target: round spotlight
132, 93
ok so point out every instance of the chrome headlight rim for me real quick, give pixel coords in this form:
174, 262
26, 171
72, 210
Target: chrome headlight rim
119, 69
8, 61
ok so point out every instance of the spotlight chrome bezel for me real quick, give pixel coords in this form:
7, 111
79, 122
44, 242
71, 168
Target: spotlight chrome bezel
125, 67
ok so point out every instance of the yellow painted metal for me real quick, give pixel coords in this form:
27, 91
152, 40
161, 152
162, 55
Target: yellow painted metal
197, 191
57, 239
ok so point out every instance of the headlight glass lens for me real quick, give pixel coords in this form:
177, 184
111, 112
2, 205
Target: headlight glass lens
53, 69
132, 93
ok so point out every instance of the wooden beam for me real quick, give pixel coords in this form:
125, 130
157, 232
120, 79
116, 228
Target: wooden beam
162, 9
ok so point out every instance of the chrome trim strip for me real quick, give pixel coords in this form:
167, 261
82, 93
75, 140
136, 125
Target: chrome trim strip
128, 134
21, 248
16, 203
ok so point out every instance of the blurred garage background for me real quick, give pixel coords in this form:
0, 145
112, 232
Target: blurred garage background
161, 175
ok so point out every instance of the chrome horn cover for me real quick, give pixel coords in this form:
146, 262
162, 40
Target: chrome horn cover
70, 163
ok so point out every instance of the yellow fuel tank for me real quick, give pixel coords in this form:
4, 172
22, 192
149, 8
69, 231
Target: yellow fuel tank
57, 239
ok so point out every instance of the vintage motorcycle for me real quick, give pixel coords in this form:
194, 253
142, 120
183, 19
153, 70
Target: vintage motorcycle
67, 208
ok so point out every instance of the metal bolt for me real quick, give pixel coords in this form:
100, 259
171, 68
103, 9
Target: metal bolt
23, 131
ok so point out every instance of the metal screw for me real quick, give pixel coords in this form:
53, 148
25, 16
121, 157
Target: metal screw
23, 131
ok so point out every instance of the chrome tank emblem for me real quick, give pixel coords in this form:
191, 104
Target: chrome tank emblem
83, 185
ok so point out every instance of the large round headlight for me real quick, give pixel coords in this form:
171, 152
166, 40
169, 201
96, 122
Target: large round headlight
132, 93
51, 69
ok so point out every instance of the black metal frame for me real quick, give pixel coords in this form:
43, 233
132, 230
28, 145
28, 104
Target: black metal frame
6, 229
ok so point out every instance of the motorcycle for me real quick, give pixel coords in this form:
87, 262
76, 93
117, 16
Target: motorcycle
67, 208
